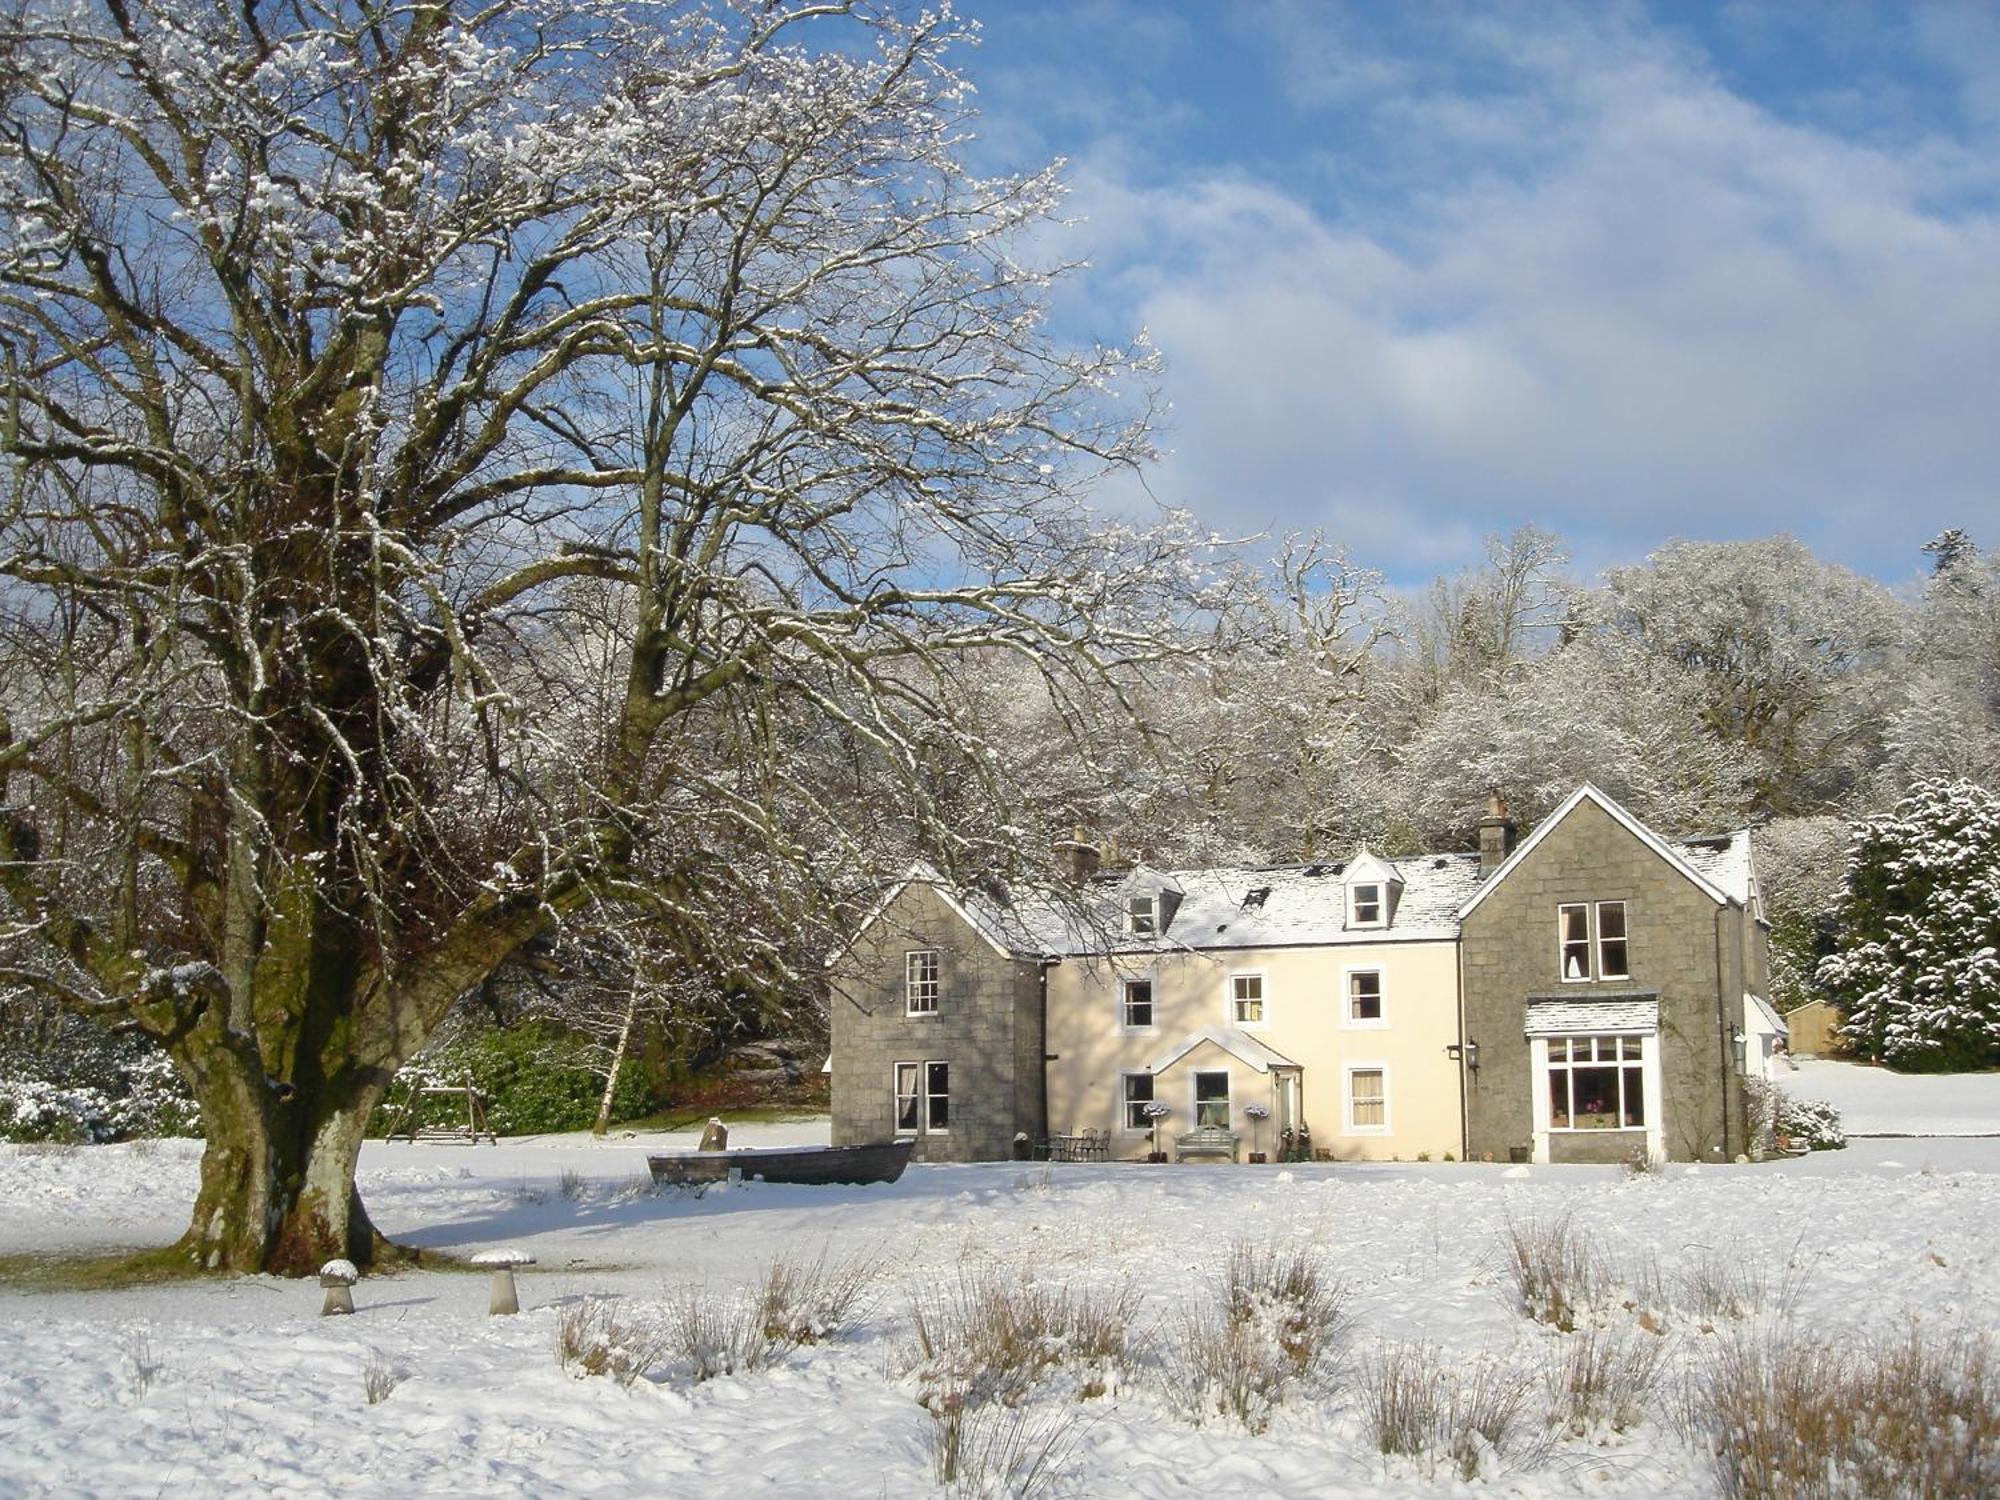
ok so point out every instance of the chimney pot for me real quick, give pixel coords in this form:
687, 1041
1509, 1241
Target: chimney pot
1496, 833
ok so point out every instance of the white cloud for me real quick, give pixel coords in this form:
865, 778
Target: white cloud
1656, 310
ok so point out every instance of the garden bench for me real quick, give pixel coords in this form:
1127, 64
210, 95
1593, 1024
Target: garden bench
1209, 1140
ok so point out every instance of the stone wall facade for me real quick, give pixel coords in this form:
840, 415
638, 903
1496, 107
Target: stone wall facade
987, 1029
1694, 954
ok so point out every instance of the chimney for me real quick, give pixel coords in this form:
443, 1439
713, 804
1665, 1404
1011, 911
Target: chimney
1082, 856
1496, 833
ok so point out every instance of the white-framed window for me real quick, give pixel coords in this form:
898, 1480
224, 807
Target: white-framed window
1368, 1099
1591, 941
920, 982
1211, 1100
1597, 1083
1364, 904
1364, 998
923, 1098
1135, 1093
1613, 955
1135, 1005
1142, 915
1246, 999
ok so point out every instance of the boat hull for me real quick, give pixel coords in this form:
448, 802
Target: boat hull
807, 1165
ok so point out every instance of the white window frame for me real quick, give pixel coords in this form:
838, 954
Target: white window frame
1653, 1132
1348, 1020
1228, 1099
1624, 937
923, 1096
1125, 1021
916, 987
1347, 1100
1125, 1102
1563, 941
1380, 903
1233, 1001
1142, 915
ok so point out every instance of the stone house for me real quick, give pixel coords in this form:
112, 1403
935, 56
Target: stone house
1591, 995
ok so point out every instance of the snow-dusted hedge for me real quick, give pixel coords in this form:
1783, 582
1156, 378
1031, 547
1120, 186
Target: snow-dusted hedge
66, 1079
1916, 969
536, 1078
1811, 1123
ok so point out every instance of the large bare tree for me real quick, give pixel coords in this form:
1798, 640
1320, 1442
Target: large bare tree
457, 454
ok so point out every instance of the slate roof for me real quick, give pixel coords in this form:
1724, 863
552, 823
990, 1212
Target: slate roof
1265, 906
1561, 1015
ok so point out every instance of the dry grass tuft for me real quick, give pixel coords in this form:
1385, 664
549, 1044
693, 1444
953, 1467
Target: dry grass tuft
990, 1337
1558, 1273
569, 1185
1469, 1416
1276, 1322
380, 1375
1601, 1378
990, 1451
795, 1302
1787, 1417
598, 1336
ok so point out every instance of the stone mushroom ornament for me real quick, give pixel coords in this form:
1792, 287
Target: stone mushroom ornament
338, 1277
502, 1263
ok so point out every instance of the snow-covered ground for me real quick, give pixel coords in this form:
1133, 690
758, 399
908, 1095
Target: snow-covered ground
1875, 1101
239, 1387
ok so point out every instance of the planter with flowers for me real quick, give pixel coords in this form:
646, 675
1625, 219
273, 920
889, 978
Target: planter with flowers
1154, 1113
1258, 1115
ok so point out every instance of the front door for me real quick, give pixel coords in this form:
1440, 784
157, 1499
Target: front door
1288, 1109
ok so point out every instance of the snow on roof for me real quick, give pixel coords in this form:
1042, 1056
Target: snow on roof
1239, 1045
1770, 1014
1559, 1015
1278, 906
1724, 859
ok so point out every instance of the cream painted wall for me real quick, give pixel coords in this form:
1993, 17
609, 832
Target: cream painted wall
1305, 1005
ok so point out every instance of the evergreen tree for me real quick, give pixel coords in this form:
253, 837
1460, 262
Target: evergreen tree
1917, 966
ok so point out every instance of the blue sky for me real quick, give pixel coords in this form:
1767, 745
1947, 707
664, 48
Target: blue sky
1423, 272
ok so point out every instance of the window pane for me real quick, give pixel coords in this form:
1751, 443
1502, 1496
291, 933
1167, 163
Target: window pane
1138, 1002
940, 1094
1139, 915
1368, 1102
1211, 1100
1630, 1047
1611, 948
1574, 922
1559, 1098
921, 981
1249, 997
1364, 996
1367, 903
906, 1096
1635, 1096
1595, 1090
1559, 1050
1138, 1094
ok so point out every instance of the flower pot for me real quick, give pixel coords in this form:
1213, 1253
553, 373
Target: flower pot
1158, 1158
1257, 1156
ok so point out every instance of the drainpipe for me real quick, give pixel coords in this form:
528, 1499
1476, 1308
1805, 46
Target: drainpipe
1047, 964
1464, 1072
1722, 1030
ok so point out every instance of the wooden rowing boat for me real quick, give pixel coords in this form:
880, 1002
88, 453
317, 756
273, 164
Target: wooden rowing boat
812, 1165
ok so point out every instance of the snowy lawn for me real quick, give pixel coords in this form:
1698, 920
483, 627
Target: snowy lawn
1875, 1101
239, 1387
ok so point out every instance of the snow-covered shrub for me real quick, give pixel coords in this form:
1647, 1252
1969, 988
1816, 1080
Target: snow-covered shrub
1791, 1417
1423, 1406
600, 1337
1916, 963
1811, 1123
63, 1078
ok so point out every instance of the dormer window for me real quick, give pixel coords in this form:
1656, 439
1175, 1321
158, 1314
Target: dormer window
1142, 916
1365, 905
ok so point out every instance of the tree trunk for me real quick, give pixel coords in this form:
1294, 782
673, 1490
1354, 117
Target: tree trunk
617, 1063
277, 1187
